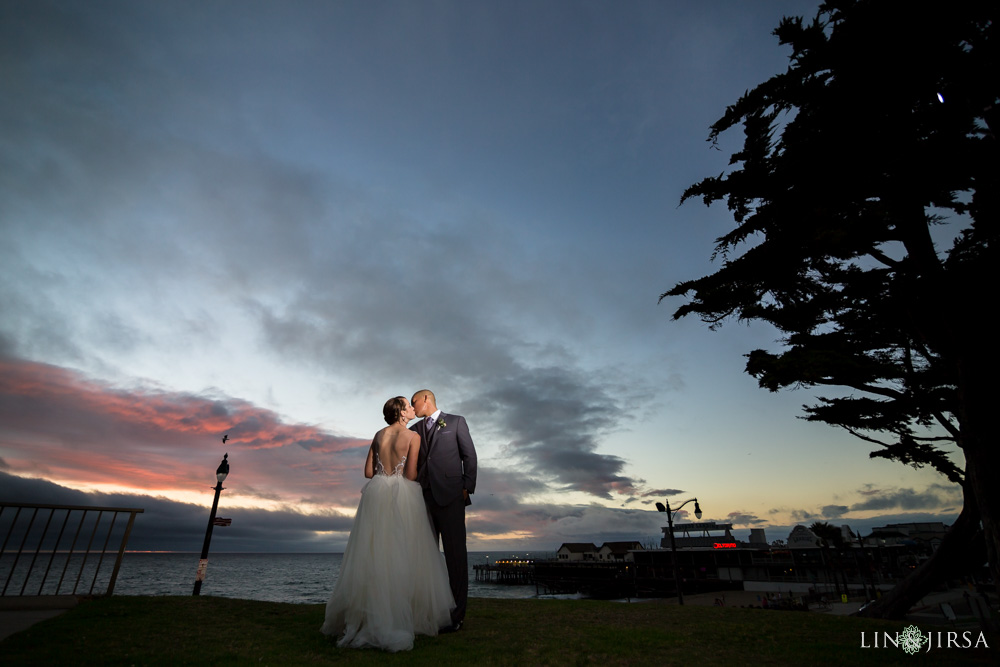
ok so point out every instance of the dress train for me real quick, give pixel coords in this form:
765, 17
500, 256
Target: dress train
393, 582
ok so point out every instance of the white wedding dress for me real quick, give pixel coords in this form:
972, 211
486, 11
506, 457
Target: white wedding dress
393, 581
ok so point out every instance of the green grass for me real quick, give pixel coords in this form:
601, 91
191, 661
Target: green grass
220, 631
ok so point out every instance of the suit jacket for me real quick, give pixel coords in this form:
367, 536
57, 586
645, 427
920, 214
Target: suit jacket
447, 460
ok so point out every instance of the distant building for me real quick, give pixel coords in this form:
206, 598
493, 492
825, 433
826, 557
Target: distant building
702, 536
709, 558
802, 538
574, 551
617, 551
926, 535
885, 536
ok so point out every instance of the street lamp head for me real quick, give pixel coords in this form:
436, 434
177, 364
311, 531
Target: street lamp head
697, 509
660, 507
223, 470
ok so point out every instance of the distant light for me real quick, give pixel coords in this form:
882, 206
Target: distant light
940, 98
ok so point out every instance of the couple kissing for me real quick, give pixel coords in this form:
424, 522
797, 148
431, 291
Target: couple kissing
393, 581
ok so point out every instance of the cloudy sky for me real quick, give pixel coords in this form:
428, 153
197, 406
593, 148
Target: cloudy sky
264, 219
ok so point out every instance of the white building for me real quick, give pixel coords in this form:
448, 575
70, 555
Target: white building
613, 551
577, 551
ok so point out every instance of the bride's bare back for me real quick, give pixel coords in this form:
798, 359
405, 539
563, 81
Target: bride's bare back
392, 446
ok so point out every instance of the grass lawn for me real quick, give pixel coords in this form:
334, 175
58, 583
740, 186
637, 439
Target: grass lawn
221, 631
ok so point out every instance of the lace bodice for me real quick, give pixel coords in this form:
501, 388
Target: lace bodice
380, 469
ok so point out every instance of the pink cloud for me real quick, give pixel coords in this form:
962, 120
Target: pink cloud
62, 426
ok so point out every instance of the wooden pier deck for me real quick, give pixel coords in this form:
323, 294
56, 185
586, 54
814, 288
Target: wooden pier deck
514, 572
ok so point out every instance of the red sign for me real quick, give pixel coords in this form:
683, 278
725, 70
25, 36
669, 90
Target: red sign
724, 545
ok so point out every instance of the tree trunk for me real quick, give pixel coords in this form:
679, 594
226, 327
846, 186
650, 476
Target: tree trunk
976, 413
954, 548
981, 465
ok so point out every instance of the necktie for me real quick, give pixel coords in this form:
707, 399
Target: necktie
429, 424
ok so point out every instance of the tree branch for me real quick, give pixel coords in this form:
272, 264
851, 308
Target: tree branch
866, 438
881, 391
947, 425
875, 253
942, 438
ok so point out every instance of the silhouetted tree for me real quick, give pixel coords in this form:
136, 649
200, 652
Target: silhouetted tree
827, 532
830, 536
881, 128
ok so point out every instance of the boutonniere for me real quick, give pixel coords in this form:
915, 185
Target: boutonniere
441, 423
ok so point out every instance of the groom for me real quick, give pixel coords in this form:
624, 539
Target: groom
446, 469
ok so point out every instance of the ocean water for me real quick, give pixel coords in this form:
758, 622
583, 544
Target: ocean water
298, 578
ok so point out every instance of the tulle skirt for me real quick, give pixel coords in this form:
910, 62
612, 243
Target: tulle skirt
393, 580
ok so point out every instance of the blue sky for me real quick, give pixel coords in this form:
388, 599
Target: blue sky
267, 218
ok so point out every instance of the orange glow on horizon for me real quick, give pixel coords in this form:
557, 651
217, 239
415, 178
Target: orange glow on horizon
511, 535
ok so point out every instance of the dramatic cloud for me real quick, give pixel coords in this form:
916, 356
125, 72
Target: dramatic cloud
554, 420
663, 493
745, 519
548, 419
498, 484
938, 497
943, 499
833, 511
54, 423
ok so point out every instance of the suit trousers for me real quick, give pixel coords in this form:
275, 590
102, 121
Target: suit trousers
448, 523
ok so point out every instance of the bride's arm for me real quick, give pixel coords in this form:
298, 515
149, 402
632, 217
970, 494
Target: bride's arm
412, 453
370, 462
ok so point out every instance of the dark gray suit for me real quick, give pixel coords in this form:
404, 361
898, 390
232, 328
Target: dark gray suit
447, 465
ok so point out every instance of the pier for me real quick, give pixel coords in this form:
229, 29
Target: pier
607, 580
513, 572
601, 580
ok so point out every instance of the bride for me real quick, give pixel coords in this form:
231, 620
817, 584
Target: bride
393, 582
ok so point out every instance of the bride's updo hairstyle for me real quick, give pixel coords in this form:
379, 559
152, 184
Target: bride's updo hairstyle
393, 409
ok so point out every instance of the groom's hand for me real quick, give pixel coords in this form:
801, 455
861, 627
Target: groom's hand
465, 494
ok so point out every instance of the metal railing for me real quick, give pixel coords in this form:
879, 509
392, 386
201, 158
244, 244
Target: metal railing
33, 555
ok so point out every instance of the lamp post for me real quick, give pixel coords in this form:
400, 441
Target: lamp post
220, 474
660, 507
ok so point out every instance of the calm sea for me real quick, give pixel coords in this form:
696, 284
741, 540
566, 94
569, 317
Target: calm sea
300, 578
